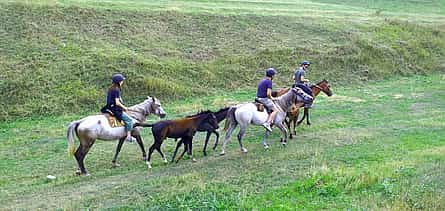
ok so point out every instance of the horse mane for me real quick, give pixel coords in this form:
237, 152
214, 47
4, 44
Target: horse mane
222, 109
324, 80
200, 113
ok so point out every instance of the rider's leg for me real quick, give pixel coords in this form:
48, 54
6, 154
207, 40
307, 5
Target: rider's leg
128, 127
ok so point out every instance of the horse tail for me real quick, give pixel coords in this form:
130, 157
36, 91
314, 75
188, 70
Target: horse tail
70, 136
230, 118
143, 125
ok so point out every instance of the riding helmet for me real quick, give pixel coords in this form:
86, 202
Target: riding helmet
117, 78
305, 63
270, 72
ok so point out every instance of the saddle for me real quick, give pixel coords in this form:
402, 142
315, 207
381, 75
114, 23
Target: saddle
113, 121
260, 107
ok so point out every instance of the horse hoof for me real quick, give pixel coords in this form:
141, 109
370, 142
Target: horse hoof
116, 165
266, 146
194, 160
244, 150
149, 165
222, 153
284, 144
165, 161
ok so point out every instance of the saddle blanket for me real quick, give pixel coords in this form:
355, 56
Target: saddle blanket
113, 121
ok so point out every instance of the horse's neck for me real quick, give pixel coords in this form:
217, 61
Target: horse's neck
286, 101
315, 91
137, 112
221, 114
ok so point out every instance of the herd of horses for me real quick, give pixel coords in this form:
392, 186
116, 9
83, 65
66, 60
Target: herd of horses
89, 129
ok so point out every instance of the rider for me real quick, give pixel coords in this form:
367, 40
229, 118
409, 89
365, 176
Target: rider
302, 82
116, 105
264, 96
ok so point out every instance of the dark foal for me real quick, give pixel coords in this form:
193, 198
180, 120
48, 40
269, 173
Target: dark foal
220, 116
181, 128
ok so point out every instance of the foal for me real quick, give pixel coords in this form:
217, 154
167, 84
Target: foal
220, 116
181, 128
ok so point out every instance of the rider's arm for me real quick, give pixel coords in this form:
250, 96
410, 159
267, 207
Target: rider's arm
269, 94
304, 79
118, 103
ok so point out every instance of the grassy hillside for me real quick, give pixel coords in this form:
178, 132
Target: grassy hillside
57, 56
379, 146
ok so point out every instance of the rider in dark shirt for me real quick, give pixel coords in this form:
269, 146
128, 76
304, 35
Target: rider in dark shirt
116, 105
264, 96
302, 82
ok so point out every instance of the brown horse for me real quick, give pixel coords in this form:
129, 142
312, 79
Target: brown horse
220, 116
292, 115
181, 128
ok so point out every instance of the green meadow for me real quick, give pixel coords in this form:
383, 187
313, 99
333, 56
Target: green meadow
377, 144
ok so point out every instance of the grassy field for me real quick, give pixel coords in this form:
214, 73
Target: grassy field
379, 146
58, 56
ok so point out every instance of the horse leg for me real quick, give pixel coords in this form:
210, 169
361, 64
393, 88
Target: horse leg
190, 148
206, 141
158, 148
183, 152
288, 120
304, 116
216, 140
284, 131
141, 145
80, 154
306, 112
240, 137
227, 137
152, 148
178, 144
266, 136
118, 149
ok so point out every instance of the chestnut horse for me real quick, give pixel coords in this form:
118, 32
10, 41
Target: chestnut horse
292, 115
181, 128
95, 127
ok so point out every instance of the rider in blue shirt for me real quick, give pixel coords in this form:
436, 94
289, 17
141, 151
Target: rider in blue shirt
264, 96
116, 105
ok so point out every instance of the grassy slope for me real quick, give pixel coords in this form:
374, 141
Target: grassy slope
379, 146
58, 55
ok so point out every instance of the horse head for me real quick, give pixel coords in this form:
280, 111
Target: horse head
210, 119
325, 87
154, 107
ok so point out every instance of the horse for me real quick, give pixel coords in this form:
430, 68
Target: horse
247, 113
95, 127
220, 116
184, 128
292, 115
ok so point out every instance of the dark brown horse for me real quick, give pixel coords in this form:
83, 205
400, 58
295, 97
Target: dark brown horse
292, 115
220, 116
181, 128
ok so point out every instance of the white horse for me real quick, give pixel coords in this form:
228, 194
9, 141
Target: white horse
246, 114
95, 127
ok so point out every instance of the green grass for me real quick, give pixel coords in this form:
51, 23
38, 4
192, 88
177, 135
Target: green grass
375, 146
58, 56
